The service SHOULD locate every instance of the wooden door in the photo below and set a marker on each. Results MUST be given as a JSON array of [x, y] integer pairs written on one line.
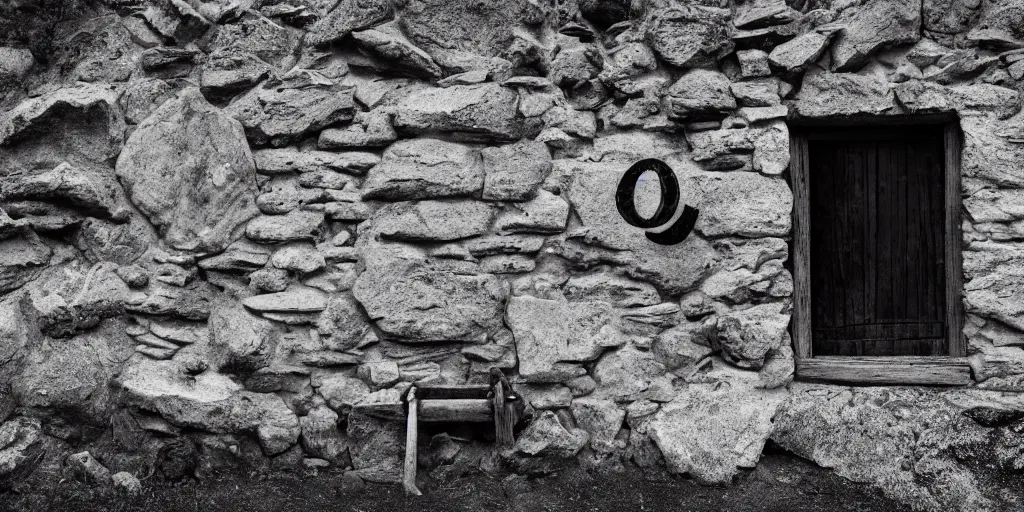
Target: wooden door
[[877, 222]]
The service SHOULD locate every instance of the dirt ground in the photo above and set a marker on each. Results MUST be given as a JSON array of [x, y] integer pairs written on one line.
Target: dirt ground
[[781, 482]]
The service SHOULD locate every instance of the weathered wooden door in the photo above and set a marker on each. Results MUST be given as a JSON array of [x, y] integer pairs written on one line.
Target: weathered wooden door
[[877, 219]]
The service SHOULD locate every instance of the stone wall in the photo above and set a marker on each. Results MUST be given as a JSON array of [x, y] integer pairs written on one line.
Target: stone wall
[[223, 225]]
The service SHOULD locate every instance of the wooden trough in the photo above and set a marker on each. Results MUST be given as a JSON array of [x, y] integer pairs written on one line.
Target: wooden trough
[[473, 403]]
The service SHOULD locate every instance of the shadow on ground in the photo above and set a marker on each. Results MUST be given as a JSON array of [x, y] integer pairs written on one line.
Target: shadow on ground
[[781, 482]]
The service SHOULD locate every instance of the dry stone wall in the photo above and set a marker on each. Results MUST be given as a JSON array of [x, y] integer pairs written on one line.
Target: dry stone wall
[[223, 225]]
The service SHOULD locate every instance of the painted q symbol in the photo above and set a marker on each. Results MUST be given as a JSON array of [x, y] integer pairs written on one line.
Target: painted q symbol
[[666, 206]]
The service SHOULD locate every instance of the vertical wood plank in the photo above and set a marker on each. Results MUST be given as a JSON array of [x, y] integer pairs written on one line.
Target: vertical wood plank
[[801, 247], [411, 439], [503, 421], [954, 267]]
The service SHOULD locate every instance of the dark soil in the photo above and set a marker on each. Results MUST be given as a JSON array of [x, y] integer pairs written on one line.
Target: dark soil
[[781, 482]]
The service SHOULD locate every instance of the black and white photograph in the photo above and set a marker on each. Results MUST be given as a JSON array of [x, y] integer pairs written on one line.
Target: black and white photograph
[[512, 255]]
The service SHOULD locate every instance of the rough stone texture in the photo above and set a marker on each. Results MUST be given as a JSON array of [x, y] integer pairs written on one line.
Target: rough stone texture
[[189, 169], [514, 171], [475, 112], [691, 36], [225, 225], [709, 431], [873, 25], [425, 168], [412, 302]]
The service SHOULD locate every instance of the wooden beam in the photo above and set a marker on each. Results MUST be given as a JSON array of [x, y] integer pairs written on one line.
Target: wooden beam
[[503, 418], [953, 241], [411, 439], [453, 391], [907, 370], [798, 171], [474, 410]]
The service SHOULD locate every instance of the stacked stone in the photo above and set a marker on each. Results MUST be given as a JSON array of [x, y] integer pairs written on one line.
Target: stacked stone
[[240, 218]]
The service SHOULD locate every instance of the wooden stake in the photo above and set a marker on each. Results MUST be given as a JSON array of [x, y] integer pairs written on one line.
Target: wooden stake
[[503, 420], [411, 437]]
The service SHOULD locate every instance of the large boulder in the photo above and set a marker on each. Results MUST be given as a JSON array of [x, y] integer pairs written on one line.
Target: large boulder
[[745, 337], [994, 272], [873, 25], [94, 193], [514, 171], [244, 342], [700, 94], [19, 439], [826, 94], [553, 338], [347, 16], [81, 125], [485, 112], [691, 35], [711, 429], [487, 28], [189, 169], [209, 401], [425, 169], [743, 204], [281, 111], [413, 302], [920, 445]]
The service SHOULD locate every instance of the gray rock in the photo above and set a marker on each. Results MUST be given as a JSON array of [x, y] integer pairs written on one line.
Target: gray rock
[[545, 213], [547, 436], [34, 117], [209, 401], [700, 94], [21, 259], [241, 256], [949, 16], [126, 483], [293, 226], [388, 42], [743, 204], [321, 436], [93, 193], [619, 291], [875, 435], [283, 110], [342, 323], [347, 16], [484, 112], [141, 97], [425, 168], [507, 264], [269, 280], [554, 337], [764, 13], [188, 168], [681, 346], [504, 244], [462, 25], [373, 130], [191, 302], [243, 341], [602, 419], [341, 392], [296, 299], [432, 220], [870, 26], [86, 465], [258, 36], [514, 171], [227, 73], [841, 94], [21, 436], [746, 337], [287, 160], [691, 36], [988, 156], [798, 53], [299, 257], [624, 374], [757, 93], [412, 302], [710, 430], [380, 374], [16, 64], [100, 295], [753, 63], [771, 148]]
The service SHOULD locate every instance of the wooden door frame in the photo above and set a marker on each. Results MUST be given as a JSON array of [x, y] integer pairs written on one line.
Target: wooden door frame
[[938, 370]]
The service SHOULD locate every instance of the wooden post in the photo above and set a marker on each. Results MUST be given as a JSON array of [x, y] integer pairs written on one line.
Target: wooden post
[[411, 437], [503, 419]]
